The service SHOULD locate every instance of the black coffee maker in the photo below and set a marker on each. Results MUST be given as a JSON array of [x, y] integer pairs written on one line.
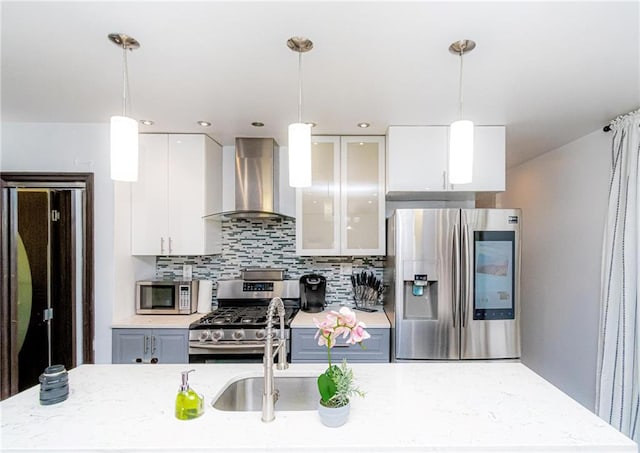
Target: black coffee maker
[[312, 292]]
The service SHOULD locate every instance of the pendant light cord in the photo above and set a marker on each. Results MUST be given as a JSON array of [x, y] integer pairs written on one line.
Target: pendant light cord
[[460, 107], [299, 87], [125, 81]]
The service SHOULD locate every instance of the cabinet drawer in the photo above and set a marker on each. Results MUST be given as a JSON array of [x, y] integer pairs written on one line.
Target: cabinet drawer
[[305, 349]]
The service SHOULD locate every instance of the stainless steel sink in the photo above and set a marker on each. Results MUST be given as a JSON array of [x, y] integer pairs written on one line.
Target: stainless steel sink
[[294, 394]]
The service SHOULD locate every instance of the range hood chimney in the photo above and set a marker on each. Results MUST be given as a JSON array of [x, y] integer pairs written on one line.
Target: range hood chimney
[[257, 164]]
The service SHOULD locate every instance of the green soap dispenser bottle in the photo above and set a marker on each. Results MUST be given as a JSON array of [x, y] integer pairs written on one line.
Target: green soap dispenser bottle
[[189, 404]]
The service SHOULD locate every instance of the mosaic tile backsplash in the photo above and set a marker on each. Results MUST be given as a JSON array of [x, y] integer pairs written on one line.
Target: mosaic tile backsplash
[[268, 243]]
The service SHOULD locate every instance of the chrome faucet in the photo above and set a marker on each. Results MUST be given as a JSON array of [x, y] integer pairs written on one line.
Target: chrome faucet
[[269, 395]]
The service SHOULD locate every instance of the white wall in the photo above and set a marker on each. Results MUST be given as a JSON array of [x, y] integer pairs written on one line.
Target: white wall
[[64, 147], [563, 195]]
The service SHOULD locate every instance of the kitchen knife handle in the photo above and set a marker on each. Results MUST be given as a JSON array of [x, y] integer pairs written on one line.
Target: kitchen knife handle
[[463, 278], [455, 268]]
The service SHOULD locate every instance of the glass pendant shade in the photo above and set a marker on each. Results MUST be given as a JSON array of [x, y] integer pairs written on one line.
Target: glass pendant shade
[[461, 152], [124, 149], [299, 155]]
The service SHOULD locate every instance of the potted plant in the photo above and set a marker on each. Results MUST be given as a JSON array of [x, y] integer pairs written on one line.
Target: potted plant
[[336, 385]]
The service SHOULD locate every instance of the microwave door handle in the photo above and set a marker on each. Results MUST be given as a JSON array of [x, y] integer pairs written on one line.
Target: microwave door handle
[[464, 278], [455, 270]]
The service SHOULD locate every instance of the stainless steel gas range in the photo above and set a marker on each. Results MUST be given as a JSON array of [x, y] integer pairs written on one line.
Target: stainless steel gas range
[[235, 332]]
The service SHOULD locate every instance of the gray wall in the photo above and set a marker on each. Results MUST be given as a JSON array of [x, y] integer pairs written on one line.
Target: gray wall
[[563, 195]]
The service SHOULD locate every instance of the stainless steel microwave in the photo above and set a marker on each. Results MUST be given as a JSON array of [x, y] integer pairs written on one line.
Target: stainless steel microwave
[[166, 297]]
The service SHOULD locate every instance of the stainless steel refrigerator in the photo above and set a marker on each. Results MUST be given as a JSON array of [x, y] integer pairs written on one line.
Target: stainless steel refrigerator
[[454, 283]]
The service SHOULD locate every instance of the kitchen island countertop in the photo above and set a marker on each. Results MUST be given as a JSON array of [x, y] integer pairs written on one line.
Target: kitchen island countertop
[[445, 407]]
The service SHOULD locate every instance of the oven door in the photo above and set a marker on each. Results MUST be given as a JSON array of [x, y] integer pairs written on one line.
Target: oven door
[[229, 352]]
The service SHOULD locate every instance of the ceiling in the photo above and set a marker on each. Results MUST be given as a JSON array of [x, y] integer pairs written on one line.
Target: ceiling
[[550, 71]]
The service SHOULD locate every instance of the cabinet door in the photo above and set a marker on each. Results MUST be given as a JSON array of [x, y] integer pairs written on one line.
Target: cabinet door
[[318, 206], [488, 161], [362, 196], [170, 346], [149, 198], [305, 349], [186, 194], [130, 345], [417, 158]]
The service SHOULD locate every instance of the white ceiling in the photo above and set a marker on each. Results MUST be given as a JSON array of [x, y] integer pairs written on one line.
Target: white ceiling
[[550, 71]]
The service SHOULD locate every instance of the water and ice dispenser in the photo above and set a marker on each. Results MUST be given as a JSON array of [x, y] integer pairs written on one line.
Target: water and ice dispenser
[[420, 290]]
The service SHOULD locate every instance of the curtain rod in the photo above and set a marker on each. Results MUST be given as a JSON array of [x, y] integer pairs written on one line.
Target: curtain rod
[[607, 128]]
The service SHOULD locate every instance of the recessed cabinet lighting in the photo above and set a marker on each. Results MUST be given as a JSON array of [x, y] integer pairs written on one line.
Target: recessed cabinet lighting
[[364, 125], [146, 122], [204, 123], [312, 124], [257, 124]]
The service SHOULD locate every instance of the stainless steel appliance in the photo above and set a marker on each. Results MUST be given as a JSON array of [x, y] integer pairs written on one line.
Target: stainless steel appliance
[[454, 277], [166, 297], [313, 289], [257, 180], [235, 332]]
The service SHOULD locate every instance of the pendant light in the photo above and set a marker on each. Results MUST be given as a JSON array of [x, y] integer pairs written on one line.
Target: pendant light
[[124, 130], [299, 133], [461, 131]]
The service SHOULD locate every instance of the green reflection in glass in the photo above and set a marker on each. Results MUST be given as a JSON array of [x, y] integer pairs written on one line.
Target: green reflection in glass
[[25, 293]]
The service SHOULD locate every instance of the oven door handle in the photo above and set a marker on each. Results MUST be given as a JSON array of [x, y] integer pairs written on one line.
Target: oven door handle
[[218, 346]]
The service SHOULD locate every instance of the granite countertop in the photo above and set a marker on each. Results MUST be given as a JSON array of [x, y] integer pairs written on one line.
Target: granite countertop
[[445, 407], [156, 321], [374, 320]]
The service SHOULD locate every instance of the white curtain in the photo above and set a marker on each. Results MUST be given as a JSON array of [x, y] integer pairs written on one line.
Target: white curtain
[[618, 384]]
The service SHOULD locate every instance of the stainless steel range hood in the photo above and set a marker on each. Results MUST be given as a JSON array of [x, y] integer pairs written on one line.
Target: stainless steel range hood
[[257, 164]]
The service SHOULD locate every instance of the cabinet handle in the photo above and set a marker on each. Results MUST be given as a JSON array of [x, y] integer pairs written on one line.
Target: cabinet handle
[[153, 345], [444, 180], [146, 344], [341, 345], [170, 245], [161, 246]]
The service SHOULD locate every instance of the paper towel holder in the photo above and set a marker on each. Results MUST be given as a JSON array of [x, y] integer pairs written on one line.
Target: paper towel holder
[[205, 292]]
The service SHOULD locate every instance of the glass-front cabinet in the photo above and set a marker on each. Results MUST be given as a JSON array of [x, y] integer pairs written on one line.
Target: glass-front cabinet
[[342, 213]]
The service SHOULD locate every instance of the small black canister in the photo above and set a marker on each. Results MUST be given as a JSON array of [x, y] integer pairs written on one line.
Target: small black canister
[[54, 385]]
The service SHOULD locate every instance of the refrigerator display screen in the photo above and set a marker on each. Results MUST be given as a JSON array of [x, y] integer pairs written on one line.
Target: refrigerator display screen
[[494, 278]]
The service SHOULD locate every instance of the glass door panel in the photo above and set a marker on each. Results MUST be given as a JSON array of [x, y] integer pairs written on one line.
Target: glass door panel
[[362, 195], [317, 206]]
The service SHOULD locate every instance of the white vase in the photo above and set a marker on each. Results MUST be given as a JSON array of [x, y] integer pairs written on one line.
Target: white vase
[[333, 416]]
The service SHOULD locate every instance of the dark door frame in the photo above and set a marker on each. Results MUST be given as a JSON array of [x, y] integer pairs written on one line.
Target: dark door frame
[[88, 300]]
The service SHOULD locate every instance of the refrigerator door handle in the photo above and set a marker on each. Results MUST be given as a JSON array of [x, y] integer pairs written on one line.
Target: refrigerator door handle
[[455, 272], [464, 284]]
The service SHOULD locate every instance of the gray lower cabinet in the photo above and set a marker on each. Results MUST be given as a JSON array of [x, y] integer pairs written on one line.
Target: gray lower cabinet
[[150, 346], [305, 349]]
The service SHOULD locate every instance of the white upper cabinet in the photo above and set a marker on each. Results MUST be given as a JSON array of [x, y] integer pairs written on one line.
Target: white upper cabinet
[[342, 213], [417, 160], [179, 182]]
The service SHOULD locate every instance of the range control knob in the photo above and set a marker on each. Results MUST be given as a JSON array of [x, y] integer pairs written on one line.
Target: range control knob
[[217, 335], [205, 335], [238, 334], [260, 334]]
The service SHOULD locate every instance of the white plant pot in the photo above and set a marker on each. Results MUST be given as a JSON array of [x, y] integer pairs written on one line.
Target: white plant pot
[[333, 416]]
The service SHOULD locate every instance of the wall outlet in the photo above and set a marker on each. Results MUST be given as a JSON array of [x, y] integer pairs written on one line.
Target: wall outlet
[[346, 268]]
